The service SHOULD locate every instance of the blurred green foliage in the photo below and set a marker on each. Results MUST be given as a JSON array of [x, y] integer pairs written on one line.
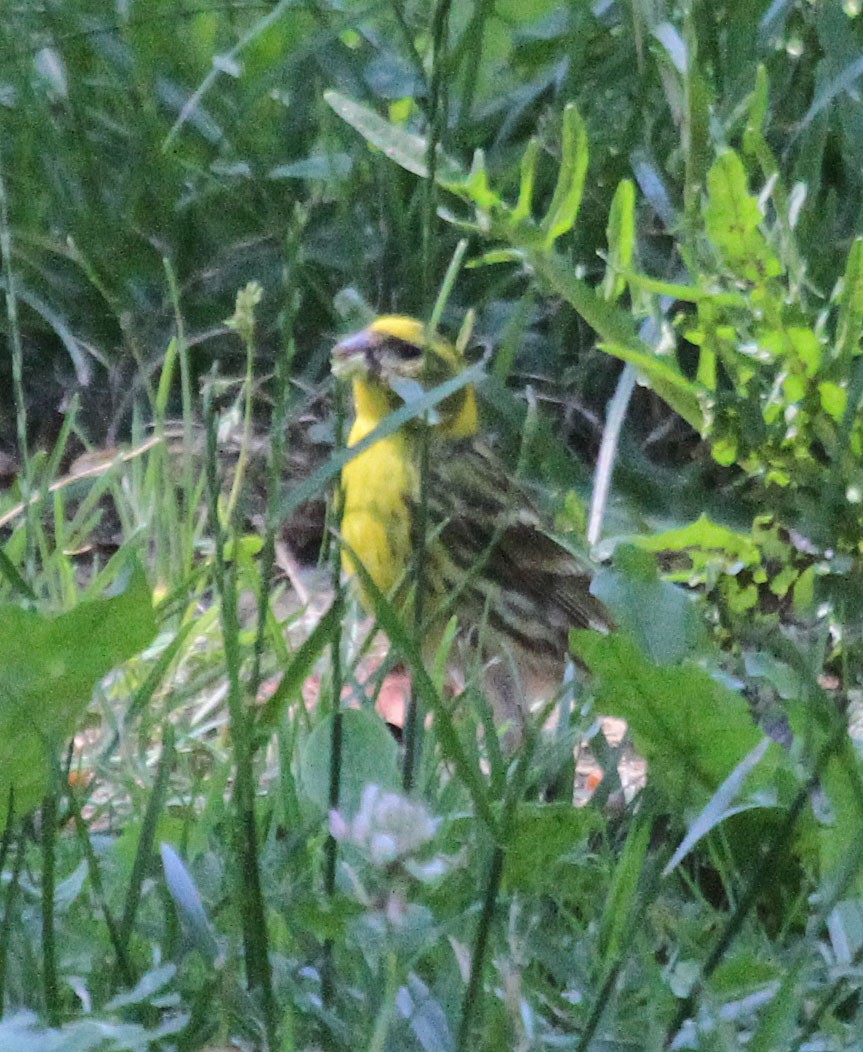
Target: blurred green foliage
[[147, 130]]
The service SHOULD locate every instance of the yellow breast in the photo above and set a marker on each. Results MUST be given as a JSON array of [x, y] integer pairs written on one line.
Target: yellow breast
[[378, 488]]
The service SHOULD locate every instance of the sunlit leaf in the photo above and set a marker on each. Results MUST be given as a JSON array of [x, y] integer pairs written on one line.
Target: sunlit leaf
[[733, 221], [566, 201]]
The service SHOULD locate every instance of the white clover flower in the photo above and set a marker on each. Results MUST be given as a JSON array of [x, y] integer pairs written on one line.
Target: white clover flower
[[390, 828]]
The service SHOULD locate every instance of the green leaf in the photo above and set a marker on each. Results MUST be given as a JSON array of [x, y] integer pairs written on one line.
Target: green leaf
[[406, 149], [841, 781], [621, 239], [566, 200], [317, 168], [834, 400], [46, 685], [795, 342], [844, 80], [850, 321], [680, 393], [658, 615], [778, 1023], [543, 840], [733, 219], [758, 102], [189, 903], [719, 807], [691, 728], [477, 187], [524, 204], [703, 535], [623, 893], [369, 756], [300, 667]]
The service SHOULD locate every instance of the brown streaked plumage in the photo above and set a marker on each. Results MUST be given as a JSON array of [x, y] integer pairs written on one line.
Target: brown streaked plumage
[[489, 558]]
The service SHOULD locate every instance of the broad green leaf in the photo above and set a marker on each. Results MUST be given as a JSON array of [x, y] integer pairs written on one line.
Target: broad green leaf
[[691, 728], [743, 971], [658, 615], [566, 200], [369, 756], [839, 837], [834, 399], [49, 667], [542, 841], [733, 219]]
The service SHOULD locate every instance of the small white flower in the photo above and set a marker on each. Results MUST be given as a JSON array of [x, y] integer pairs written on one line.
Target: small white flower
[[387, 827]]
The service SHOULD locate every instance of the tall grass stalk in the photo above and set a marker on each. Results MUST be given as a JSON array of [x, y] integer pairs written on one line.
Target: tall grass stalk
[[336, 735], [437, 119], [278, 448], [472, 1001], [250, 900], [10, 905], [146, 840], [10, 282], [48, 839], [190, 504], [94, 874]]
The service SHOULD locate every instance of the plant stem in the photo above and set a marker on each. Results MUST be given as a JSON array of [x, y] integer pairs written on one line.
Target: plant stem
[[51, 989], [471, 1003], [248, 884]]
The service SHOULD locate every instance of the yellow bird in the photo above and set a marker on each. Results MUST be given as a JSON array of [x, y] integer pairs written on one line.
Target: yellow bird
[[489, 559]]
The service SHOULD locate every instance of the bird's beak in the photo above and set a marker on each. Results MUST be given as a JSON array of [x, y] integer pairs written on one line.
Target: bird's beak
[[350, 355]]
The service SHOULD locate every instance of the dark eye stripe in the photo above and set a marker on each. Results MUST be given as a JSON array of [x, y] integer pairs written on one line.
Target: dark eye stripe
[[402, 348]]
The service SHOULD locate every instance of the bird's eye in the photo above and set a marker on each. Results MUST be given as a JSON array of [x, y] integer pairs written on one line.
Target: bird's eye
[[402, 349]]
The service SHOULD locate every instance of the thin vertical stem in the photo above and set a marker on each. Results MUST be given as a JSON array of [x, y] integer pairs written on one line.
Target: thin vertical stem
[[94, 874], [9, 904], [17, 361], [248, 883], [471, 1002], [144, 852], [278, 445], [608, 450], [50, 984], [437, 123], [332, 848]]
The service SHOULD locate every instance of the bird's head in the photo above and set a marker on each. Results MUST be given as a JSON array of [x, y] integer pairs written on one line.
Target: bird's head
[[396, 354]]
